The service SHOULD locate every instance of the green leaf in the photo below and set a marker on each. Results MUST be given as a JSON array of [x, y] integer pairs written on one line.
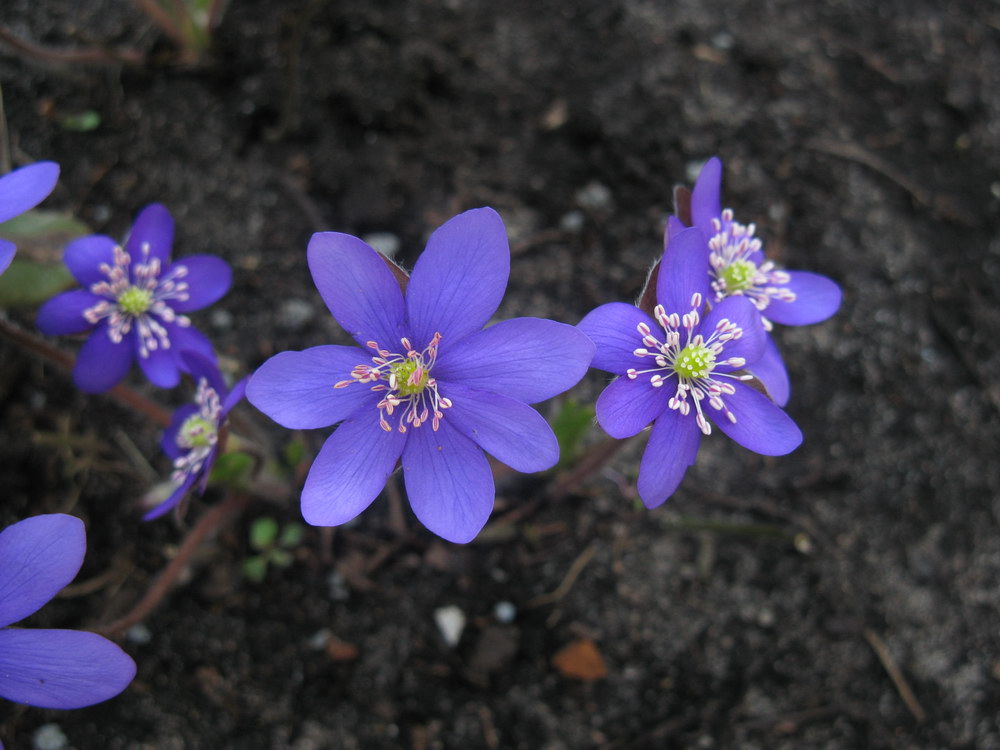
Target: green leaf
[[32, 225], [81, 122], [28, 284], [281, 558], [295, 451], [291, 535], [255, 568], [263, 532], [570, 425], [232, 468]]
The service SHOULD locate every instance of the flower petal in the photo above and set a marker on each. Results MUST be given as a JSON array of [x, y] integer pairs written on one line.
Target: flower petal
[[760, 426], [612, 328], [449, 482], [674, 227], [672, 448], [61, 668], [178, 494], [7, 251], [750, 345], [816, 299], [102, 363], [84, 257], [208, 279], [706, 198], [527, 359], [169, 440], [459, 280], [189, 339], [627, 406], [159, 365], [63, 314], [25, 188], [770, 370], [235, 396], [509, 430], [153, 227], [38, 557], [684, 272], [351, 469], [296, 389], [358, 288], [201, 367]]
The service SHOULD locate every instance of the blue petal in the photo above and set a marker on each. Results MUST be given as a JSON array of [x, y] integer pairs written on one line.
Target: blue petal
[[816, 299], [7, 251], [208, 279], [612, 328], [684, 272], [179, 492], [63, 314], [770, 370], [706, 198], [627, 406], [459, 280], [672, 448], [159, 365], [102, 363], [760, 426], [750, 345], [169, 440], [153, 229], [25, 188], [84, 257]]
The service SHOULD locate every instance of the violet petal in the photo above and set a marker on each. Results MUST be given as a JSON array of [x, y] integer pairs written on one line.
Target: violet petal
[[684, 272], [816, 299], [750, 345], [612, 327], [706, 198], [770, 370], [153, 227], [84, 257], [672, 448], [24, 188], [760, 426], [627, 406], [208, 279], [102, 363], [63, 314]]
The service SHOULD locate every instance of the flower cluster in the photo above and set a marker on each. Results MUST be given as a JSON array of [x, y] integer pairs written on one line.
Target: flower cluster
[[20, 191]]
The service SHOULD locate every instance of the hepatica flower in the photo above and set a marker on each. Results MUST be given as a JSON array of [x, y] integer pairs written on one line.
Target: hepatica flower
[[428, 386], [51, 668], [192, 438], [683, 371], [134, 301], [20, 191], [738, 267]]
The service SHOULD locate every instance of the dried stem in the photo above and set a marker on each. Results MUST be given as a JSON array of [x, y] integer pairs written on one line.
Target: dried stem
[[591, 462], [96, 55]]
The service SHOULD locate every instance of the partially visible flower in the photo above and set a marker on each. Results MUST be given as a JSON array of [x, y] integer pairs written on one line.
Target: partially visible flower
[[20, 191], [133, 301], [681, 370], [429, 387], [192, 438], [738, 267], [51, 668]]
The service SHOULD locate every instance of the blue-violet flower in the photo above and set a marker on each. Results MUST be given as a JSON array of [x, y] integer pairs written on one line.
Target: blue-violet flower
[[681, 369], [51, 668], [133, 301], [429, 386], [20, 191]]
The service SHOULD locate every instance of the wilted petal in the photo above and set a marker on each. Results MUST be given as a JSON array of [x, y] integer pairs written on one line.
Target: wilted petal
[[25, 188], [296, 389], [61, 668], [38, 557], [358, 288], [63, 314], [706, 198], [153, 228], [208, 279], [760, 426], [528, 359], [511, 431], [770, 370], [627, 406], [684, 272], [816, 299], [750, 345], [84, 257], [459, 279], [448, 481], [101, 363], [672, 448], [351, 469], [613, 329]]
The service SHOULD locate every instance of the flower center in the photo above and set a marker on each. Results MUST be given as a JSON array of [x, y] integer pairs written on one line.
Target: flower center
[[738, 275], [689, 357], [135, 301], [199, 433], [196, 432], [406, 381]]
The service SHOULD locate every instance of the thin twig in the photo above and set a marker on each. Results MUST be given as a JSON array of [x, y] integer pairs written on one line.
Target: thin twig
[[896, 674], [568, 580], [94, 55], [5, 162], [162, 19]]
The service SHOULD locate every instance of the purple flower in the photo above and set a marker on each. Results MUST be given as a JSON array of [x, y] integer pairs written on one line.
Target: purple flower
[[429, 386], [51, 668], [737, 266], [20, 191], [682, 369], [133, 301], [192, 439]]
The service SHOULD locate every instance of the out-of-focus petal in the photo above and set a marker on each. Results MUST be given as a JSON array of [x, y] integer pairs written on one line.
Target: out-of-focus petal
[[760, 426], [63, 314], [84, 257], [351, 469], [61, 668], [169, 440], [459, 279], [101, 363], [448, 481], [816, 299], [612, 327], [25, 188], [296, 389], [684, 272], [750, 345], [38, 557], [509, 430], [175, 497], [153, 227], [7, 251], [528, 359], [627, 406], [706, 198], [358, 288], [236, 395], [201, 367], [208, 279], [672, 448], [189, 339], [159, 365], [770, 370]]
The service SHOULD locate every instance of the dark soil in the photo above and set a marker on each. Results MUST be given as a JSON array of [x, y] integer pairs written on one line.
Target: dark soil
[[748, 612]]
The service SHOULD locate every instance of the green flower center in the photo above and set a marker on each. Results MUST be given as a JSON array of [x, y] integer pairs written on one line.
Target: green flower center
[[738, 275], [407, 383], [694, 361], [196, 432], [135, 301]]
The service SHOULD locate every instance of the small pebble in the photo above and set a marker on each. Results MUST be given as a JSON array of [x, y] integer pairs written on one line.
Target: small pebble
[[385, 242], [451, 622], [318, 640], [221, 319], [295, 313], [139, 634], [505, 612], [594, 196], [572, 221], [49, 737]]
